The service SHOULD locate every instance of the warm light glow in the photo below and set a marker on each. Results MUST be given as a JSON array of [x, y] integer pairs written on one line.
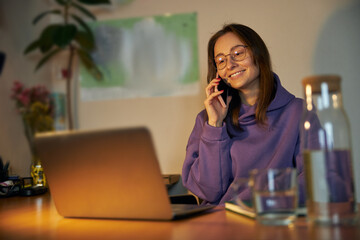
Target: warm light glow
[[308, 93], [335, 101], [307, 125]]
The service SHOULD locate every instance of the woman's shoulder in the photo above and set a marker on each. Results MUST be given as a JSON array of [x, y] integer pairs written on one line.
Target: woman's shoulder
[[295, 106], [201, 119], [202, 116], [297, 102]]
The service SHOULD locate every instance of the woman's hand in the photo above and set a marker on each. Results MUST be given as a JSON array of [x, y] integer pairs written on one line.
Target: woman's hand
[[215, 106]]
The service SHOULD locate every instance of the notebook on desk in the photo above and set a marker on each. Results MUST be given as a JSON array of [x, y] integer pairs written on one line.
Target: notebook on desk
[[107, 174]]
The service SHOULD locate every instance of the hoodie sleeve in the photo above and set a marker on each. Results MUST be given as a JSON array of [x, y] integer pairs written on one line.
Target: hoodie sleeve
[[207, 167]]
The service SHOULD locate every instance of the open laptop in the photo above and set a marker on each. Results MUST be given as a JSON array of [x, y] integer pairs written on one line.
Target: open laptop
[[110, 173]]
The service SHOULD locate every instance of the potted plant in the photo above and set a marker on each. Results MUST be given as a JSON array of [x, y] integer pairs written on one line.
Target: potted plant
[[36, 109], [72, 34]]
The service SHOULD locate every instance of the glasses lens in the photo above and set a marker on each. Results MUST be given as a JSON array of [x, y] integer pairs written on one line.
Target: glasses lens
[[238, 53], [220, 61]]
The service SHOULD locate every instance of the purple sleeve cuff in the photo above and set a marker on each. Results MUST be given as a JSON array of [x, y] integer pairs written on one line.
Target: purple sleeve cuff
[[211, 133]]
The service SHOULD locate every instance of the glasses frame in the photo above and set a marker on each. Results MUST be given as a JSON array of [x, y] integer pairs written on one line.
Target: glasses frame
[[231, 55]]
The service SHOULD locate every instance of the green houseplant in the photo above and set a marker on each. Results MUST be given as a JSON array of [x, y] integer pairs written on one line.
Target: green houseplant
[[72, 34], [35, 107]]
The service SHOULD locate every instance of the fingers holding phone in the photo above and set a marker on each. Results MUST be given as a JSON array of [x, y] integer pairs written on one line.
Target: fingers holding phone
[[215, 103], [212, 87], [213, 91]]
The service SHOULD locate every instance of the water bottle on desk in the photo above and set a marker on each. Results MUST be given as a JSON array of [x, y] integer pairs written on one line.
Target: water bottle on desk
[[326, 148]]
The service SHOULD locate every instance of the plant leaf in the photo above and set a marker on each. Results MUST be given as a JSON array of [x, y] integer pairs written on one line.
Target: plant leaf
[[32, 46], [83, 10], [64, 35], [40, 16], [96, 73], [85, 58], [82, 38], [47, 57], [47, 37], [94, 2], [89, 64], [61, 2], [84, 25]]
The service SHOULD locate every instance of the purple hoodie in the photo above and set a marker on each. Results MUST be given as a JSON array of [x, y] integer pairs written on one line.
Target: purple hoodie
[[215, 156]]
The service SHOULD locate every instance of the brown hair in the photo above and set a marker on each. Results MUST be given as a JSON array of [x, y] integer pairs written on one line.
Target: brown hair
[[261, 58]]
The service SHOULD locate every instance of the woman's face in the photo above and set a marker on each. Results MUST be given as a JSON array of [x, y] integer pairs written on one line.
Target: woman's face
[[242, 75]]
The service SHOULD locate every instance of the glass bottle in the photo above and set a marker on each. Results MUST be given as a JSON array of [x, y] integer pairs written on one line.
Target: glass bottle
[[326, 148]]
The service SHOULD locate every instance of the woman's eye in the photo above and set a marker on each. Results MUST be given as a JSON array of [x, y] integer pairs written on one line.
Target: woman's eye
[[220, 60], [237, 53]]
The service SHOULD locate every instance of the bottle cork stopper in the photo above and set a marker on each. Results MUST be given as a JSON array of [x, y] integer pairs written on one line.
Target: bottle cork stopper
[[333, 82]]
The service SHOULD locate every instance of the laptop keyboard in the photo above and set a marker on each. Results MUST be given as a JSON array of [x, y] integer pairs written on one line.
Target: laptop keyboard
[[183, 210], [182, 207]]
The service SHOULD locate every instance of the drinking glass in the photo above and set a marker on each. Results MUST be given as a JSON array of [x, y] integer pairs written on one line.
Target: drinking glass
[[274, 195]]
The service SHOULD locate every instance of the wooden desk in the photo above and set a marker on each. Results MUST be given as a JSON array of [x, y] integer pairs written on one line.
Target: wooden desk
[[36, 218]]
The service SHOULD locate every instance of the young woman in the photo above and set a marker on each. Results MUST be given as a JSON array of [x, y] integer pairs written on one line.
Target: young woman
[[255, 126]]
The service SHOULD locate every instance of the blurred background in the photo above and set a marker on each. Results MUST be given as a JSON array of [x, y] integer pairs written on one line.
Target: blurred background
[[304, 38]]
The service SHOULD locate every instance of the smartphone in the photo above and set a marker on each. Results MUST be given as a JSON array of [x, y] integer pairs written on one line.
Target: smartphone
[[223, 86]]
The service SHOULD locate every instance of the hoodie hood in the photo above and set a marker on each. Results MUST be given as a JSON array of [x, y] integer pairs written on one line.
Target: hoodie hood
[[282, 96], [281, 99]]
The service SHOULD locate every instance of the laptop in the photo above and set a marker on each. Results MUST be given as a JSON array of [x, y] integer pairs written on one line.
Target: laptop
[[112, 173]]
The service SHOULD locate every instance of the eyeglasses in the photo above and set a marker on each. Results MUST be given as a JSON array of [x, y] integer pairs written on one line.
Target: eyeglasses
[[237, 54]]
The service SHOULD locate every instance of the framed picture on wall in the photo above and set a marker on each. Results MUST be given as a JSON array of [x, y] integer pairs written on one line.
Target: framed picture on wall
[[144, 57]]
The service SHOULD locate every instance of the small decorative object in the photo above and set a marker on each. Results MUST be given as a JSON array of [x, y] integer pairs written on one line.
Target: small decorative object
[[35, 107], [7, 187], [4, 170]]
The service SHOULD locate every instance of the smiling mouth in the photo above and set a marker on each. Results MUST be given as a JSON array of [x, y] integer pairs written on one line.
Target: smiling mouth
[[237, 73]]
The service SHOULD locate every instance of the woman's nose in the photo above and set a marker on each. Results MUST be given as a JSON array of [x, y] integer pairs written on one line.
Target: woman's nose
[[231, 63]]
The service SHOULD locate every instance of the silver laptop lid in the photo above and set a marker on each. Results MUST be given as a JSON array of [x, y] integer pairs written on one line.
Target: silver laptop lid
[[104, 174]]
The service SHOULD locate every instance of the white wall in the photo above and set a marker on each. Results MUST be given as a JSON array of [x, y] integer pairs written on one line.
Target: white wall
[[304, 37]]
